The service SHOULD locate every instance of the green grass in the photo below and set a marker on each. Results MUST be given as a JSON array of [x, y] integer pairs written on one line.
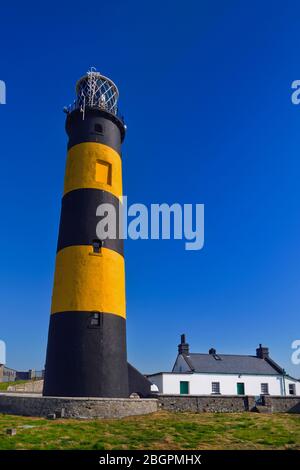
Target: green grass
[[160, 430], [5, 385]]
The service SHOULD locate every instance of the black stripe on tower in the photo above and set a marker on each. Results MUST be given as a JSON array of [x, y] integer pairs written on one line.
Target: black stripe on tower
[[78, 219], [75, 345], [97, 126]]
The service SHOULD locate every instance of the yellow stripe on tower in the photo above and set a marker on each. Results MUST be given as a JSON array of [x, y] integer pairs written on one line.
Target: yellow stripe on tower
[[87, 281], [95, 166]]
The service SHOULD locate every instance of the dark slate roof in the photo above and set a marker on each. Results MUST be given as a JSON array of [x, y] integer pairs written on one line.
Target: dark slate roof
[[229, 363]]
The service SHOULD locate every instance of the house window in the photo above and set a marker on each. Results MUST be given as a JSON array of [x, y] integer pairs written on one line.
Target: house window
[[215, 387], [95, 319], [184, 388], [292, 389], [98, 128], [97, 244], [264, 389]]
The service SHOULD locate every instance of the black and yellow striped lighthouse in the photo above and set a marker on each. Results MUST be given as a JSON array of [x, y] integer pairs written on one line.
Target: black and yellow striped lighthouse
[[86, 353]]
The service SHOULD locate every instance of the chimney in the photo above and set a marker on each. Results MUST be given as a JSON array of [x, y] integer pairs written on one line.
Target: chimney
[[262, 352], [183, 347], [212, 351]]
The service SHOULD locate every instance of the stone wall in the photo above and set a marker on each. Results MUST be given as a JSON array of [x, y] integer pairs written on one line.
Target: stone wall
[[34, 386], [227, 403], [290, 404], [206, 403], [30, 405], [75, 407]]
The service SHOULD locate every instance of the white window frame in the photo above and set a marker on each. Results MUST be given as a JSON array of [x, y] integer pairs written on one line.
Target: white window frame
[[293, 387], [266, 386], [216, 385]]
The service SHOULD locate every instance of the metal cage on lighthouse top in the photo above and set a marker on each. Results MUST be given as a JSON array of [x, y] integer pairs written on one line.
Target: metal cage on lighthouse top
[[94, 90]]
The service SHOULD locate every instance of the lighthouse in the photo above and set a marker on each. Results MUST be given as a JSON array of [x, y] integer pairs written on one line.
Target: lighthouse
[[86, 352]]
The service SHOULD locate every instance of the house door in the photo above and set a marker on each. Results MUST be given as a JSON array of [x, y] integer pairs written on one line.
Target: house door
[[240, 388], [184, 388]]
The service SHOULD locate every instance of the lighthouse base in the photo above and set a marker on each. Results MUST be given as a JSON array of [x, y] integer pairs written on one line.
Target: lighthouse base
[[138, 384], [70, 407]]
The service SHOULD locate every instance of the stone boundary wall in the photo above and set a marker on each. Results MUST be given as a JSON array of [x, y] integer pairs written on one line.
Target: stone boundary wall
[[75, 407], [36, 405], [226, 403], [278, 404], [34, 386], [206, 403]]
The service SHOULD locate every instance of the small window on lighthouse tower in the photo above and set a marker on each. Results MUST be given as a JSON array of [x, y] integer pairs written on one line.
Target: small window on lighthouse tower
[[103, 172], [95, 319], [98, 128], [97, 245]]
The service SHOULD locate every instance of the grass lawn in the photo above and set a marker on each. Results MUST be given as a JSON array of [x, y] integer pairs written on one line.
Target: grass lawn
[[162, 430]]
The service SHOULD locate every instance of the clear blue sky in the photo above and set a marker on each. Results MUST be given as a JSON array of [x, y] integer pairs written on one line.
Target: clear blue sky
[[205, 90]]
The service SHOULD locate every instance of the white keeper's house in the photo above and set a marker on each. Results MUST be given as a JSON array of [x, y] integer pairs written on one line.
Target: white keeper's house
[[224, 374]]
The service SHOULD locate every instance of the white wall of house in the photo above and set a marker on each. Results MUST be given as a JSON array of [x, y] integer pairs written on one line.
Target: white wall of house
[[201, 384]]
